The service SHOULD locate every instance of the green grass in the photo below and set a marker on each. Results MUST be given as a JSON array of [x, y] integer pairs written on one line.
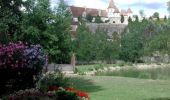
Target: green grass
[[121, 88]]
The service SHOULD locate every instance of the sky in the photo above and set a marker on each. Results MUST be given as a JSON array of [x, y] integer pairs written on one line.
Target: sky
[[148, 6]]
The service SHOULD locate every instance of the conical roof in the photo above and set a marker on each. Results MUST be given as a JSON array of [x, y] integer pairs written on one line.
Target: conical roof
[[112, 4], [116, 10], [129, 10]]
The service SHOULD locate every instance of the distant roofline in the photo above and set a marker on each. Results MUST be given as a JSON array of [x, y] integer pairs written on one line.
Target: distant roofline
[[87, 7]]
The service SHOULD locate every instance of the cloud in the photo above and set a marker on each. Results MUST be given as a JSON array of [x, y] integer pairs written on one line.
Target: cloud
[[149, 6], [154, 5]]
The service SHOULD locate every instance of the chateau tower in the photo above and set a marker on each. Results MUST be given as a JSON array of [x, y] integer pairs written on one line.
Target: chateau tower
[[112, 9]]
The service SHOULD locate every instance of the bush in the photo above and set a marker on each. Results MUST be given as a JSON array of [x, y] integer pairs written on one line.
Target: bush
[[52, 79], [55, 94], [145, 75], [66, 95], [21, 66]]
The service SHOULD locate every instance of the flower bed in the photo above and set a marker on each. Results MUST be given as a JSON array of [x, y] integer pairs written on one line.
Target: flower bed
[[54, 93], [80, 94]]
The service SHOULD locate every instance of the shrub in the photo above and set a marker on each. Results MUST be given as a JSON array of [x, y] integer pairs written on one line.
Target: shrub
[[57, 93], [21, 65], [52, 79]]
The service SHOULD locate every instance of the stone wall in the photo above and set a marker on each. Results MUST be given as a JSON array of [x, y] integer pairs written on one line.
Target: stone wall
[[110, 28], [157, 59]]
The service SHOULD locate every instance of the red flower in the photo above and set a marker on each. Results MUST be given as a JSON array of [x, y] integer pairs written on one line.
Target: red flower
[[53, 88], [82, 94], [70, 89]]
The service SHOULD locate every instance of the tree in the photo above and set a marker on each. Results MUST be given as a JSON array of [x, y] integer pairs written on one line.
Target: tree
[[98, 19], [10, 18], [122, 19], [129, 19], [89, 18], [87, 43], [165, 18], [136, 18], [49, 28], [156, 15]]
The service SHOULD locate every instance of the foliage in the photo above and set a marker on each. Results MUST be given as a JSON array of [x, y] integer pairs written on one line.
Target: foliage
[[165, 18], [10, 19], [59, 94], [122, 19], [98, 19], [69, 93], [52, 79], [155, 15], [143, 39], [136, 18], [89, 18], [129, 20], [11, 16], [21, 65], [41, 22], [87, 43]]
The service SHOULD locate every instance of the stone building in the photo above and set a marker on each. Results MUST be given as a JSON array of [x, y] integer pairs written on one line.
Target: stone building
[[110, 16]]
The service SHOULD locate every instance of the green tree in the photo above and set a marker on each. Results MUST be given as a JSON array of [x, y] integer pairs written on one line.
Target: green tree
[[49, 28], [95, 46], [10, 18], [136, 18], [156, 15], [129, 19], [89, 18], [122, 19], [98, 19], [165, 18]]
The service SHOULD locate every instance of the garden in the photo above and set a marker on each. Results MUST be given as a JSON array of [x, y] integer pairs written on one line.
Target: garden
[[34, 34]]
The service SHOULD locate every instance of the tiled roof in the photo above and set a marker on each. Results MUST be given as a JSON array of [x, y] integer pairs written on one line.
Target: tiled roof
[[77, 11], [92, 12], [112, 4], [129, 10], [123, 12], [116, 10]]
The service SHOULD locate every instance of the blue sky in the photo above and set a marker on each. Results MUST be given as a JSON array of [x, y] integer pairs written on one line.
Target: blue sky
[[149, 6]]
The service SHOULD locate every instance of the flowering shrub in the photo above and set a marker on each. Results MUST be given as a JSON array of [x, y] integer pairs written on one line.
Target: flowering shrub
[[80, 94], [35, 94], [53, 79], [20, 65]]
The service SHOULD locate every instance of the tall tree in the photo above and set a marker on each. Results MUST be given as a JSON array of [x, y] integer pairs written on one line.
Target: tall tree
[[156, 15], [98, 19], [129, 19], [122, 19], [89, 18], [165, 18], [136, 18], [49, 28], [10, 18]]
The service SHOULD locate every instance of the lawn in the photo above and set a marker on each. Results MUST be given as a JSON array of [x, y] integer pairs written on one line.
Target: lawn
[[121, 88]]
